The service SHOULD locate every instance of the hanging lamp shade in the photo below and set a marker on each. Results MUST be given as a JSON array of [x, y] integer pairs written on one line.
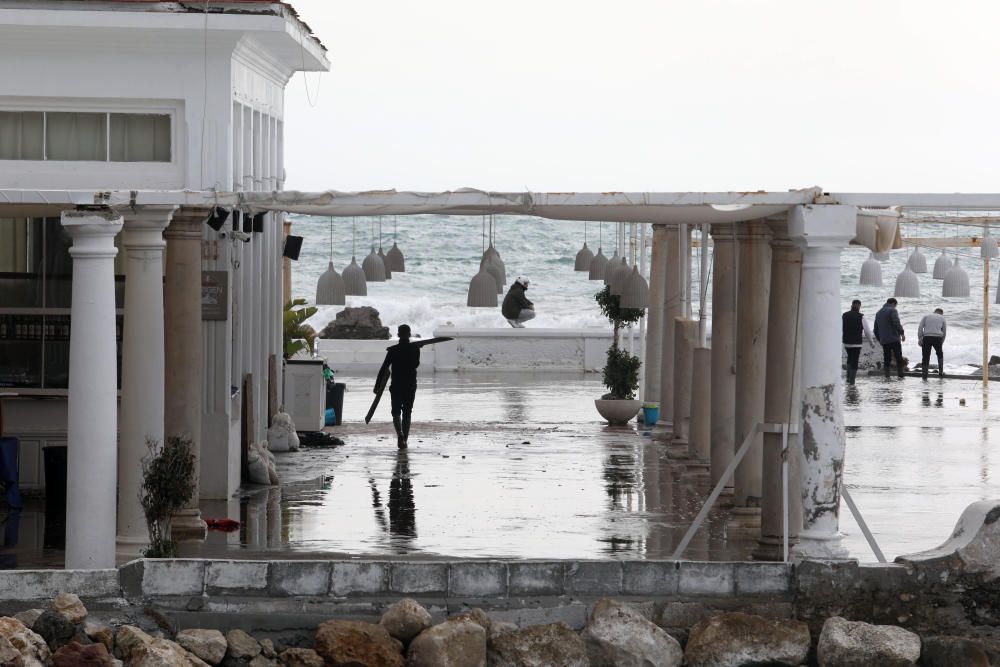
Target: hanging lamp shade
[[482, 290], [956, 281], [583, 259], [355, 282], [988, 247], [635, 293], [494, 256], [611, 267], [871, 271], [373, 268], [907, 284], [330, 288], [489, 252], [394, 260], [941, 266], [597, 266], [385, 267], [917, 261], [494, 267], [881, 256], [620, 277]]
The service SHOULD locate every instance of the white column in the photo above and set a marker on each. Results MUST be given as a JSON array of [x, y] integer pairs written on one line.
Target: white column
[[671, 310], [723, 383], [821, 231], [142, 361], [183, 350], [654, 326], [93, 392]]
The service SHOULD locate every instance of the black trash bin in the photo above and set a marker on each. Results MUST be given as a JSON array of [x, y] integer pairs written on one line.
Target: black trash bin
[[55, 496], [335, 400]]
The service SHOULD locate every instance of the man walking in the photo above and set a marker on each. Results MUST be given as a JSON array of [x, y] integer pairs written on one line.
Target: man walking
[[930, 334], [401, 361], [855, 325], [516, 307], [890, 334]]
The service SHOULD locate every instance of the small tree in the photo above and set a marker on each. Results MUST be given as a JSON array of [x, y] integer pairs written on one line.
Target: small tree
[[621, 372], [297, 335], [167, 486]]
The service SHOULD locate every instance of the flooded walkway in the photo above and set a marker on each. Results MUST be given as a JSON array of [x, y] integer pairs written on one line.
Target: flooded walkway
[[520, 466]]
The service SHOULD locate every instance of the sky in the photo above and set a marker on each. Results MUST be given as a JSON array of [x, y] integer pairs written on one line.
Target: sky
[[645, 95]]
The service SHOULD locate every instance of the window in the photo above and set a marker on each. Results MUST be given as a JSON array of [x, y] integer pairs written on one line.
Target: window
[[74, 136]]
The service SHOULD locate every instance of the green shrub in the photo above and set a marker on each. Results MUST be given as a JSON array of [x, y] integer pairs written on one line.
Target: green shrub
[[298, 336], [167, 486], [621, 372]]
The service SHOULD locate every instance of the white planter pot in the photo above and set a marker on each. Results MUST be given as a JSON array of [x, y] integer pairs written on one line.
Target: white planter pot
[[617, 412]]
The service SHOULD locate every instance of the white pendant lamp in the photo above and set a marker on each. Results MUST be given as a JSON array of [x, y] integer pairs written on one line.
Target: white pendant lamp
[[871, 271], [907, 284], [619, 277], [917, 261], [988, 247], [372, 265], [612, 266], [881, 256], [584, 257], [381, 255], [635, 293], [330, 288], [956, 281], [355, 283], [394, 260], [600, 261], [494, 267], [483, 286], [941, 266]]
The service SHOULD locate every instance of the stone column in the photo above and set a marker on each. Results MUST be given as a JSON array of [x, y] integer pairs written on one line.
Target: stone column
[[685, 340], [753, 288], [699, 437], [723, 409], [183, 350], [671, 310], [142, 401], [821, 231], [782, 322], [92, 427], [654, 321]]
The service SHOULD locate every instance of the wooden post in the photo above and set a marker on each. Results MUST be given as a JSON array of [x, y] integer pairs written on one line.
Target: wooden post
[[247, 426]]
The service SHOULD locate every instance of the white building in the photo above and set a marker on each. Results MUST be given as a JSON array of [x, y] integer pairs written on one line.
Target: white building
[[139, 96]]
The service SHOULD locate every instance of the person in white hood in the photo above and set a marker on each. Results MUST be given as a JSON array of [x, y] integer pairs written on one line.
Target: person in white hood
[[930, 334]]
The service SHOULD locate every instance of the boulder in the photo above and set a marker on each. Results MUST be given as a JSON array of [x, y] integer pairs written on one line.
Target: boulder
[[454, 643], [735, 638], [54, 628], [137, 649], [98, 632], [28, 616], [552, 645], [498, 628], [357, 644], [29, 644], [972, 549], [952, 652], [281, 435], [476, 615], [128, 640], [844, 643], [267, 649], [405, 619], [69, 605], [618, 636], [75, 654], [360, 323], [9, 655], [241, 646], [300, 657], [262, 661], [209, 645]]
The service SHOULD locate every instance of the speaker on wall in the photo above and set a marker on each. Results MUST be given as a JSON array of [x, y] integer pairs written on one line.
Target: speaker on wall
[[293, 245]]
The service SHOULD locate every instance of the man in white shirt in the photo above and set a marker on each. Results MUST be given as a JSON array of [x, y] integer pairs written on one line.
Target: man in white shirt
[[930, 334]]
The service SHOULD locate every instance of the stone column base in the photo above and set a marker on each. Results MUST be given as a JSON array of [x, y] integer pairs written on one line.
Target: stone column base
[[814, 545], [743, 522], [772, 548], [188, 526]]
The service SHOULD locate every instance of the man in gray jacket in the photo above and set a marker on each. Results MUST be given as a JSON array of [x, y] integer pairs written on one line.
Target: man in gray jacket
[[930, 334], [889, 333]]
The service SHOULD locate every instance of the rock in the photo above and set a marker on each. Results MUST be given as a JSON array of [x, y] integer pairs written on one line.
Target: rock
[[994, 360], [75, 654], [405, 619], [69, 605], [98, 632], [552, 645], [498, 628], [300, 657], [971, 549], [195, 661], [209, 645], [357, 644], [952, 652], [361, 323], [281, 436], [28, 616], [619, 636], [736, 638], [262, 661], [844, 643], [241, 645], [137, 649], [454, 643], [29, 643], [476, 615], [54, 628], [9, 655], [267, 649]]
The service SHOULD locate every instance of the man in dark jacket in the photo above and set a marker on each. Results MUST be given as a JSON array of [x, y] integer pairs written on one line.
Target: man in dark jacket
[[855, 326], [889, 333], [402, 361], [516, 307]]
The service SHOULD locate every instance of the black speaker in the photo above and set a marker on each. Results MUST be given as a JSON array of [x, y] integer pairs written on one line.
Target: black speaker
[[218, 218], [293, 246], [258, 223], [247, 224], [237, 220]]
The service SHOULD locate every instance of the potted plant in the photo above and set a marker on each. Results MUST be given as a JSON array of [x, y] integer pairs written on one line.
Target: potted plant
[[621, 372], [298, 335]]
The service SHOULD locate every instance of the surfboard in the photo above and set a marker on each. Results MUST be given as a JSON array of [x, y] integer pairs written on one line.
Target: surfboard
[[383, 374]]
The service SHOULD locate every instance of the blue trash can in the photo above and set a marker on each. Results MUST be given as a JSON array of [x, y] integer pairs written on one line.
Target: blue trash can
[[650, 413]]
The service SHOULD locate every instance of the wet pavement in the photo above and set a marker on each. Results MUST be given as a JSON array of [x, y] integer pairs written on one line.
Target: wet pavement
[[520, 466]]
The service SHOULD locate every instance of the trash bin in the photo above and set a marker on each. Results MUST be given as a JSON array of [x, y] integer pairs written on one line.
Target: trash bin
[[335, 399], [9, 471], [55, 478], [650, 413]]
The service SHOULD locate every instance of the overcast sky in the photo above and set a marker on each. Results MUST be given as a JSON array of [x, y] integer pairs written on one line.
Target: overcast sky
[[669, 95]]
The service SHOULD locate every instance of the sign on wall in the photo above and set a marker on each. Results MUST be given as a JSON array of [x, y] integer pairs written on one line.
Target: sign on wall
[[214, 295]]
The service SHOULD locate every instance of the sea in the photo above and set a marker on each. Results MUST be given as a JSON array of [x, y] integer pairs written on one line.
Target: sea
[[442, 255]]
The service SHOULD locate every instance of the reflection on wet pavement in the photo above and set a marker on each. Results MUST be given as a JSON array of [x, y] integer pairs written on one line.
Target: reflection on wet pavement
[[519, 466]]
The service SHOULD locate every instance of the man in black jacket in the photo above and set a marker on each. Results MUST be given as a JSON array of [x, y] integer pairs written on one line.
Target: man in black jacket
[[889, 333], [402, 361], [854, 327], [516, 307]]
